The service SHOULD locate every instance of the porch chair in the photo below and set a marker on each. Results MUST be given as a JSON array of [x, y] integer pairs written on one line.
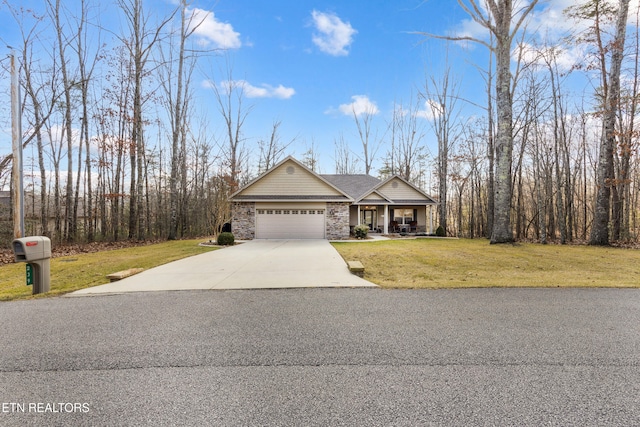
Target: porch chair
[[394, 227], [413, 227]]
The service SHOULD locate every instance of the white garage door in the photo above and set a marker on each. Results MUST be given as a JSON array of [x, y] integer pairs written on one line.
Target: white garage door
[[294, 222]]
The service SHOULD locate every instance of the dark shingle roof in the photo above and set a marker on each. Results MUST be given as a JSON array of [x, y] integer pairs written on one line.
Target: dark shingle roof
[[355, 186]]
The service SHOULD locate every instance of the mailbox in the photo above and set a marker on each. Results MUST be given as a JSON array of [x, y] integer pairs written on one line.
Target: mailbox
[[36, 252], [32, 248]]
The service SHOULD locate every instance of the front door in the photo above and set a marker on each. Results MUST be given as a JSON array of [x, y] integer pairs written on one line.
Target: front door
[[369, 217]]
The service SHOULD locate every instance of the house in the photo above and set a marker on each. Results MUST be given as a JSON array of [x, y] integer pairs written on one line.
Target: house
[[290, 201]]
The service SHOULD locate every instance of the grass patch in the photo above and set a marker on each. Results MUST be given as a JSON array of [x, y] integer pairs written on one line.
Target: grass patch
[[464, 263], [71, 273]]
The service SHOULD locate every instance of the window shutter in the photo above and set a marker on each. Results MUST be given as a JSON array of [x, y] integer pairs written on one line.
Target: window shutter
[[415, 214]]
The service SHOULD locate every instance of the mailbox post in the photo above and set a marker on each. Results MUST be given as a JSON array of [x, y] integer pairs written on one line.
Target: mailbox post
[[36, 252]]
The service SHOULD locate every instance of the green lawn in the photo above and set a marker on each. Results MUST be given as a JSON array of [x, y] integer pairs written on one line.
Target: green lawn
[[81, 271], [419, 263], [450, 263]]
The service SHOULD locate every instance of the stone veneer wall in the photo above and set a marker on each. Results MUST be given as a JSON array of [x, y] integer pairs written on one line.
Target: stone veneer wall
[[243, 220], [338, 221]]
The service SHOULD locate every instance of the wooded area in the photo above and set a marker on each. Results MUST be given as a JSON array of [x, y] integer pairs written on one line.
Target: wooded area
[[539, 165]]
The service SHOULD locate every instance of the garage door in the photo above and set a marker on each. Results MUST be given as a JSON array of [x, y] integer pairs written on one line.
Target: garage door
[[295, 222]]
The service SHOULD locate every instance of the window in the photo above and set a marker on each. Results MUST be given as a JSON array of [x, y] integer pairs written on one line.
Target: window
[[294, 212], [286, 212], [278, 212], [260, 211], [269, 212], [312, 212], [320, 212], [303, 212], [403, 216]]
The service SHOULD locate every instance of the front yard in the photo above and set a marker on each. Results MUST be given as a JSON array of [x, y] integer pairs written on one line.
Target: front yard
[[73, 272], [449, 263]]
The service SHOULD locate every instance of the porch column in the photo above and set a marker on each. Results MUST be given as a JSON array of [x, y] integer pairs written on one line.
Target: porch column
[[386, 219], [358, 221], [430, 219]]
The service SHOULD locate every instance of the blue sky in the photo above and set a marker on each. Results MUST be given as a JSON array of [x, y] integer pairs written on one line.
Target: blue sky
[[324, 56], [309, 63]]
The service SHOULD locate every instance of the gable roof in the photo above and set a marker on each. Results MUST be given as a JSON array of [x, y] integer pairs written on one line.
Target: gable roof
[[402, 191], [290, 180], [374, 197]]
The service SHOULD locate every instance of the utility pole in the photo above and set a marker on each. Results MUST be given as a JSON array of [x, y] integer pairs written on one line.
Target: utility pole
[[17, 190]]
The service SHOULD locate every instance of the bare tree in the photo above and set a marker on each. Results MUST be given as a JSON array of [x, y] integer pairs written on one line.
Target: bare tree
[[345, 162], [491, 155], [311, 157], [41, 96], [606, 179], [68, 82], [176, 87], [562, 166], [230, 96], [628, 142], [441, 99], [271, 151], [369, 137], [409, 136], [498, 20], [503, 23], [139, 43], [86, 67]]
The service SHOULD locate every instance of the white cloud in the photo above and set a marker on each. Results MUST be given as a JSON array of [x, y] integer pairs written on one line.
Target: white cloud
[[361, 105], [251, 91], [58, 136], [470, 28], [283, 92], [211, 31], [431, 111], [552, 21], [562, 57], [333, 36], [267, 91], [548, 22]]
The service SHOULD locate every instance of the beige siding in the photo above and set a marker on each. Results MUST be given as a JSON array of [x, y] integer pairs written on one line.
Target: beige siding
[[289, 179], [396, 189], [374, 195]]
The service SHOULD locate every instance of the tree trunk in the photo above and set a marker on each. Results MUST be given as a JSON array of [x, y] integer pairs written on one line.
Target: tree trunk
[[176, 134], [68, 122], [490, 154], [605, 179], [502, 232]]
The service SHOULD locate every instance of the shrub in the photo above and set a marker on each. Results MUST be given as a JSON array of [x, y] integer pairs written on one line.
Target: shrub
[[361, 231], [440, 232], [225, 239]]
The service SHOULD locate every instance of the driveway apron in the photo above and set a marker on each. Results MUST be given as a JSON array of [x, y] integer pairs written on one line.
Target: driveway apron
[[257, 264]]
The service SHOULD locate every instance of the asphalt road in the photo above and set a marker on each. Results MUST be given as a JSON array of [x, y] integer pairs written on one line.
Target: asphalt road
[[324, 357]]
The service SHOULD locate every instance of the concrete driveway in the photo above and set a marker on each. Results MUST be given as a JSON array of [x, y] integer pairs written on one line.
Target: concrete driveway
[[257, 264]]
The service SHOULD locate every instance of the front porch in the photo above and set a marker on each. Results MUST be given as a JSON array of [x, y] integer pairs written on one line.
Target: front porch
[[388, 219]]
